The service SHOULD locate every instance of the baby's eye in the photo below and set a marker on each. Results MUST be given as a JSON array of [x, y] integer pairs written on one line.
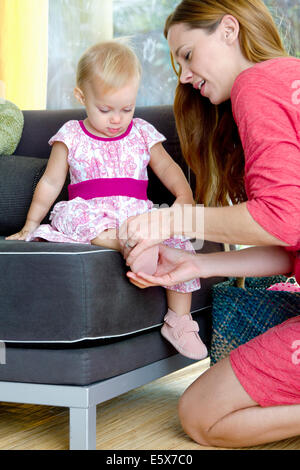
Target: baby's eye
[[103, 110], [127, 110]]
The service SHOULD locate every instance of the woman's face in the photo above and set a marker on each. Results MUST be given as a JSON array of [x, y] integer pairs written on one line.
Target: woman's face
[[209, 62]]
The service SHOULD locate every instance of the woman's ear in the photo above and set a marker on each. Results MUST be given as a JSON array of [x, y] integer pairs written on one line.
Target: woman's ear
[[230, 28], [78, 93]]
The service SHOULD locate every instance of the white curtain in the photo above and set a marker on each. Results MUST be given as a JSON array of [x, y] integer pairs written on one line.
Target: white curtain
[[74, 25]]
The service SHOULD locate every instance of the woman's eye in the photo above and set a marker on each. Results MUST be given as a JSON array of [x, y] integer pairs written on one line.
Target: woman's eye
[[188, 56]]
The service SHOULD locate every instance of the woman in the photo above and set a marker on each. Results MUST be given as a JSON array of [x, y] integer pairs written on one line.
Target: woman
[[237, 116]]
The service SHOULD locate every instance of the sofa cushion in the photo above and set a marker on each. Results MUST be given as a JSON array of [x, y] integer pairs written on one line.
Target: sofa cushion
[[61, 292], [88, 361], [18, 179]]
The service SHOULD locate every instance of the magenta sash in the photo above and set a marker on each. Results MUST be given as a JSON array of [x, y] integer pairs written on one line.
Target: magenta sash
[[103, 187]]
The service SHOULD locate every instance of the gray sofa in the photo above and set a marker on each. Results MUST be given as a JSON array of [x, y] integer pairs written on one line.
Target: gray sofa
[[74, 331]]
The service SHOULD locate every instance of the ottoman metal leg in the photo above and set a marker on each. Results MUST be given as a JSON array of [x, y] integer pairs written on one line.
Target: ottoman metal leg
[[83, 428]]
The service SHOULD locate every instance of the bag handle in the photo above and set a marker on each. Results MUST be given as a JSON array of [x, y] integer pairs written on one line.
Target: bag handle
[[240, 281]]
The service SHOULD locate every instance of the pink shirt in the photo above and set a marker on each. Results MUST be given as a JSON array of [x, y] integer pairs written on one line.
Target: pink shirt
[[266, 107]]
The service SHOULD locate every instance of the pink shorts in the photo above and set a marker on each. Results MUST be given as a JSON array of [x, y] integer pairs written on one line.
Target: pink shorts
[[268, 366]]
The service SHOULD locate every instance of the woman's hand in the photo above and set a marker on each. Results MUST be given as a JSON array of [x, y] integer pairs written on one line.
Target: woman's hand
[[174, 266], [148, 229]]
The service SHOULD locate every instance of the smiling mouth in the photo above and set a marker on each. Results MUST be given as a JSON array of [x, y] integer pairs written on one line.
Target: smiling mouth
[[201, 84]]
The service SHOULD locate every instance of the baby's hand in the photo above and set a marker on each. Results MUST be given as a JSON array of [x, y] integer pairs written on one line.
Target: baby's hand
[[23, 234]]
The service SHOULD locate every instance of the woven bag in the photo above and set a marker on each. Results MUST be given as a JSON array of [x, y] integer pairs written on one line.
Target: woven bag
[[241, 313]]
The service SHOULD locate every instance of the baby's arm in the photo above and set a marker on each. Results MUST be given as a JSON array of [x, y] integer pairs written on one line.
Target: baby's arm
[[46, 191], [171, 175]]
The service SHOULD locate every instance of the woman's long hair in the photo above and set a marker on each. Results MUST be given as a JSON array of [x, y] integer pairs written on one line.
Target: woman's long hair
[[208, 134]]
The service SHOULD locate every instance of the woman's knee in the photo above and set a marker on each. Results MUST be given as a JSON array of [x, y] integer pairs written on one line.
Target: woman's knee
[[215, 394], [191, 419]]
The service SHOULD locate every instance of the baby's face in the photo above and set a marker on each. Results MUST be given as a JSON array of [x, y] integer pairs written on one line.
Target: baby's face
[[110, 114]]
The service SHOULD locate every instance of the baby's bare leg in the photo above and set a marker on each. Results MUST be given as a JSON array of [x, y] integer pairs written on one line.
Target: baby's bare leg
[[146, 262], [108, 239], [179, 302]]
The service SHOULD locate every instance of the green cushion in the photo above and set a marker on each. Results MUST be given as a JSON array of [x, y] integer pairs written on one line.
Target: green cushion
[[11, 127]]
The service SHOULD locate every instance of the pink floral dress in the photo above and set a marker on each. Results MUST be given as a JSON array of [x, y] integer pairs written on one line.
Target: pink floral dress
[[90, 157]]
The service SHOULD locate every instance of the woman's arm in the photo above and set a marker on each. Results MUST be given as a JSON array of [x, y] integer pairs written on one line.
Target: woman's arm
[[253, 261], [235, 225], [178, 266], [46, 191], [230, 224]]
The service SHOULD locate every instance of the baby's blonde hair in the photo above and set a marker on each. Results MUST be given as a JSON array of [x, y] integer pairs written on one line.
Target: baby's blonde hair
[[113, 62]]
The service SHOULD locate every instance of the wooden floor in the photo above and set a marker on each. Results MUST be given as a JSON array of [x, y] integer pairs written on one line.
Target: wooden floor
[[145, 418]]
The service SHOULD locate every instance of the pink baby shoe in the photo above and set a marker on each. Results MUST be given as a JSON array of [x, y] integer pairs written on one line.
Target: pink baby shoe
[[182, 332]]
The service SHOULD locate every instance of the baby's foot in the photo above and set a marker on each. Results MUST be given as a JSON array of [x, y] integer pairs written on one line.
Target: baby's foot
[[182, 332], [147, 261]]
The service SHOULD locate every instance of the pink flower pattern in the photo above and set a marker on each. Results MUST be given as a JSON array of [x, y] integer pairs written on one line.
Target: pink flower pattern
[[80, 220]]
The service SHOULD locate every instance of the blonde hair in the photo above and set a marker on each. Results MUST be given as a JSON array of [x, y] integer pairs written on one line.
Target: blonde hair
[[113, 62], [208, 134]]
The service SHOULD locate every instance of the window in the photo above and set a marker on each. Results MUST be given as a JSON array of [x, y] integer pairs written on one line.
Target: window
[[286, 14], [42, 40], [74, 25]]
